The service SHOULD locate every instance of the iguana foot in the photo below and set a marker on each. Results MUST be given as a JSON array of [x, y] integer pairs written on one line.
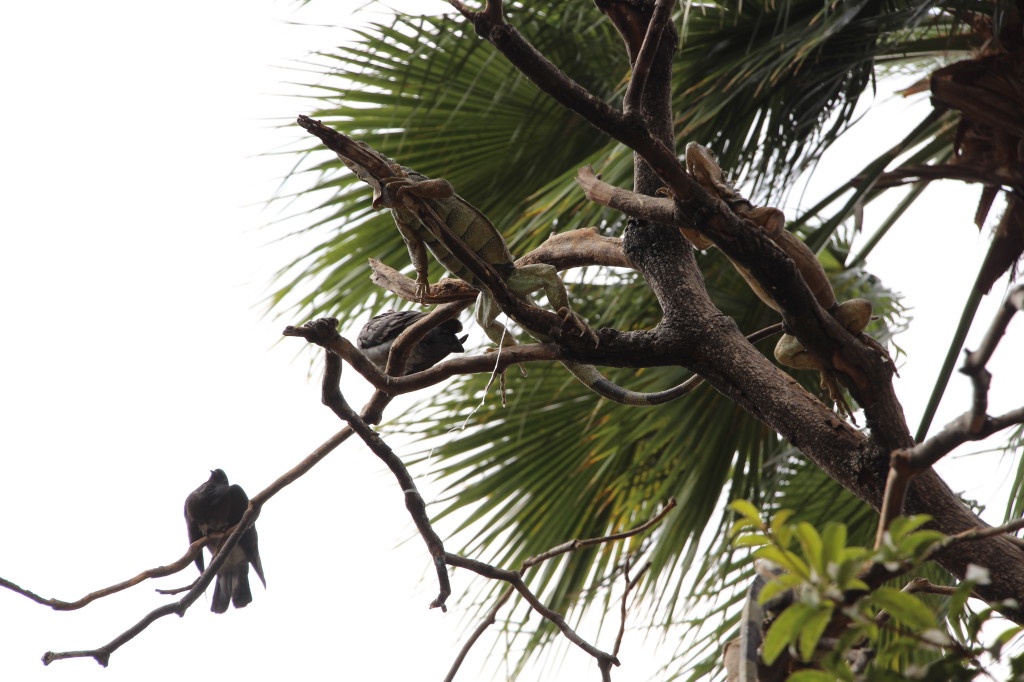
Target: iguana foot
[[522, 370], [422, 291], [835, 393], [436, 188], [570, 316]]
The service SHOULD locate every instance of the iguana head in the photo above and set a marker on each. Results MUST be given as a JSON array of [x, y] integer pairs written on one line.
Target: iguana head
[[366, 176]]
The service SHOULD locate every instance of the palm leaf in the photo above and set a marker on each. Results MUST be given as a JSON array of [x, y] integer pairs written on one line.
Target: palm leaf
[[769, 87]]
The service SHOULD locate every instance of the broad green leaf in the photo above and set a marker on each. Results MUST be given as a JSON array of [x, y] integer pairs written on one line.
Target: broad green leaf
[[905, 608], [903, 525], [916, 545], [811, 544], [787, 560], [833, 539], [812, 630], [811, 676], [771, 590], [785, 630], [751, 541], [746, 510]]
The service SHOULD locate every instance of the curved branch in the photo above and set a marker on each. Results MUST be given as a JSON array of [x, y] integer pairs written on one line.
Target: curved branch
[[159, 572]]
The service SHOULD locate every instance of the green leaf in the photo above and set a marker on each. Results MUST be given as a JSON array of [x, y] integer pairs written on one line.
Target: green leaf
[[780, 519], [746, 510], [751, 541], [916, 545], [811, 676], [905, 608], [771, 590], [901, 526], [787, 560], [784, 630], [811, 544], [739, 526], [833, 540], [812, 630]]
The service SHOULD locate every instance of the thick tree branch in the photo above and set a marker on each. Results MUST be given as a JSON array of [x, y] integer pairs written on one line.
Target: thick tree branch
[[973, 425], [694, 332]]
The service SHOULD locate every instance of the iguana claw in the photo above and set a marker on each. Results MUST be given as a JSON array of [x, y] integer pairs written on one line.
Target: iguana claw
[[570, 316], [422, 290]]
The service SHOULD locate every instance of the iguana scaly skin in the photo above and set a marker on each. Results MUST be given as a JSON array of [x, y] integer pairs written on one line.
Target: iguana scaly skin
[[853, 315], [474, 229]]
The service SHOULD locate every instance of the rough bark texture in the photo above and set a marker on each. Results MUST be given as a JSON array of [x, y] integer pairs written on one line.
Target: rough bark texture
[[695, 335]]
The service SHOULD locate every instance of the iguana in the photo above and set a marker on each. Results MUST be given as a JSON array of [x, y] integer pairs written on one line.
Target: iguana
[[472, 227], [853, 315]]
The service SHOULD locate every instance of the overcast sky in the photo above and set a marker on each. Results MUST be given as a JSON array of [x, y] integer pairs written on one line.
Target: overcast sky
[[138, 354]]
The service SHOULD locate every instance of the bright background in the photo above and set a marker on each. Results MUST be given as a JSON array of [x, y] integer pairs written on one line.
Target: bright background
[[137, 159]]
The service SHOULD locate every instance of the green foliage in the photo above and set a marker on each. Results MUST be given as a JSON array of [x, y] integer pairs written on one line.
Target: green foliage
[[837, 626], [769, 86]]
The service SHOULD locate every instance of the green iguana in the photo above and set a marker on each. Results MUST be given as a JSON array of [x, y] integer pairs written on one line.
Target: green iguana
[[404, 186], [853, 315]]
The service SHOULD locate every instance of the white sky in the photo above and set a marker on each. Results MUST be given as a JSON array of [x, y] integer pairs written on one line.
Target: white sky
[[137, 355]]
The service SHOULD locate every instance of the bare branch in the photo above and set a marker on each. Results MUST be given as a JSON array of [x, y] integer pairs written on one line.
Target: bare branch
[[975, 424], [102, 654], [623, 611], [532, 561], [332, 397], [573, 545], [516, 581], [158, 572], [577, 248], [489, 620]]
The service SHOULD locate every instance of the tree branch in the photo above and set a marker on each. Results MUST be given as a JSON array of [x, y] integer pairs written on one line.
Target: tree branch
[[159, 572], [704, 342], [973, 425], [570, 546], [322, 332]]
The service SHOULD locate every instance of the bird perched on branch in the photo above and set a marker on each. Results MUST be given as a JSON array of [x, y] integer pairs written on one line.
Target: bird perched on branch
[[377, 336], [211, 509]]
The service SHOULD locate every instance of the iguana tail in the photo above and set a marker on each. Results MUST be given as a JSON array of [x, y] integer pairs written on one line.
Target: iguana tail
[[595, 381]]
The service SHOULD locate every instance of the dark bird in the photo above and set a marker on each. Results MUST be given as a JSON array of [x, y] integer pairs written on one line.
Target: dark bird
[[377, 336], [211, 509]]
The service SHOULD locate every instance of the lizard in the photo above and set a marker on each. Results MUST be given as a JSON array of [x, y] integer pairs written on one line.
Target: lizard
[[465, 222], [853, 315]]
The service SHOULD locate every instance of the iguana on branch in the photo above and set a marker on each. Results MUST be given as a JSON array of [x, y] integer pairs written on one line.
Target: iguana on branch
[[853, 315], [415, 201]]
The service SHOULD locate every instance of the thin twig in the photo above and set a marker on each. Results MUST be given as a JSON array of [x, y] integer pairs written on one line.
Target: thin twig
[[573, 545], [489, 620], [102, 654], [319, 332], [623, 610], [558, 550], [159, 572], [973, 425], [516, 581]]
